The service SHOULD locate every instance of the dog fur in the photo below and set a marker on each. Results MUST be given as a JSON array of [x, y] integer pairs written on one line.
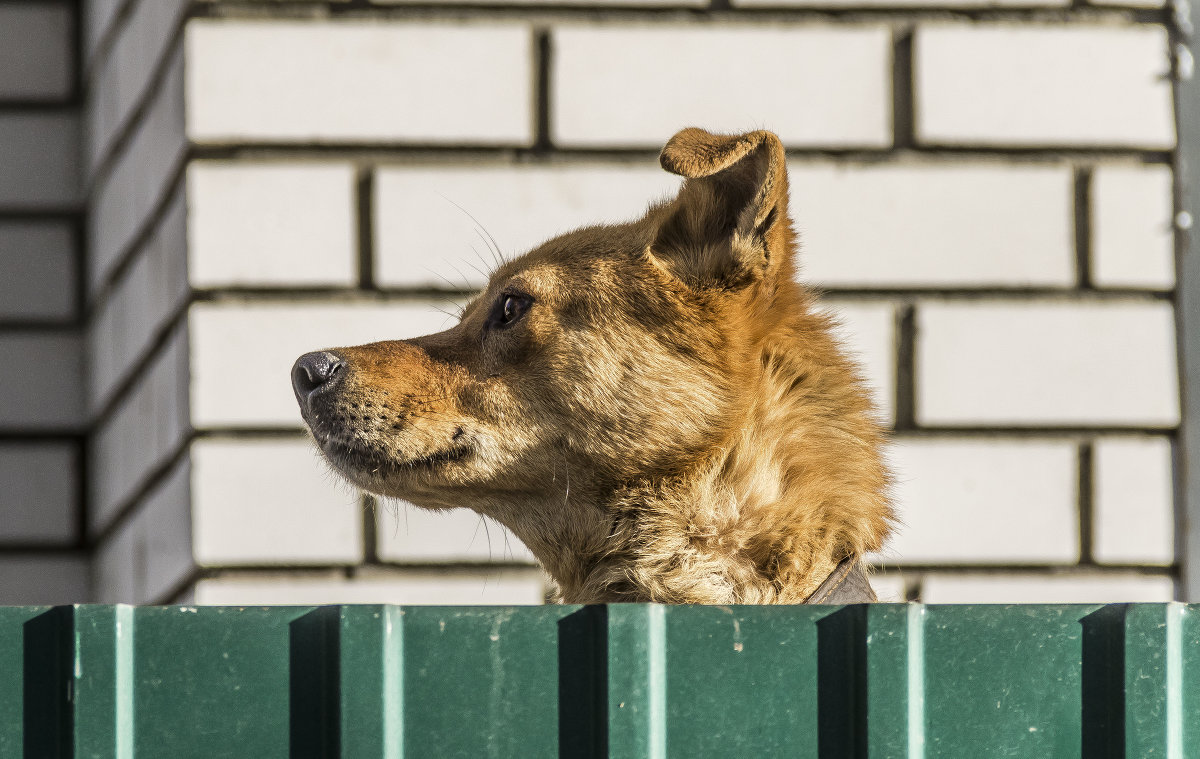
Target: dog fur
[[655, 408]]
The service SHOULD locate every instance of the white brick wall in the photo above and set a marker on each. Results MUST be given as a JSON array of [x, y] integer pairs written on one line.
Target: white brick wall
[[40, 501], [227, 152], [1133, 241], [1134, 514], [860, 226], [581, 3], [432, 222], [867, 331], [1038, 86], [1075, 588], [38, 261], [36, 51], [889, 586], [356, 82], [271, 502], [1046, 364], [934, 225], [630, 86], [985, 501], [903, 4], [264, 224], [492, 587], [410, 535], [1130, 3], [263, 340]]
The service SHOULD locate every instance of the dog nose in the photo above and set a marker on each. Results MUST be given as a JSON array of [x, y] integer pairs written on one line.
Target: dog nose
[[315, 370]]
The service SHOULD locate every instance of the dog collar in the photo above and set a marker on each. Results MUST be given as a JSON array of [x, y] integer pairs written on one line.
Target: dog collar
[[847, 584]]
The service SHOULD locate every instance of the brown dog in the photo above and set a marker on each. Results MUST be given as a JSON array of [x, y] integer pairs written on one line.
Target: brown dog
[[654, 408]]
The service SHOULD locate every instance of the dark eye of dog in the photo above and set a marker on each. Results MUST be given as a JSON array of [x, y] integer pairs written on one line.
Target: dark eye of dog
[[509, 309]]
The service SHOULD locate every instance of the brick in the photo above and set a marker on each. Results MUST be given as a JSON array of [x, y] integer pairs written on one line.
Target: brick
[[150, 555], [1040, 588], [535, 3], [935, 225], [38, 261], [39, 501], [359, 82], [271, 224], [889, 586], [139, 180], [930, 226], [868, 334], [42, 378], [972, 501], [1046, 363], [1080, 85], [124, 75], [1129, 3], [263, 340], [1133, 501], [654, 81], [36, 51], [411, 535], [99, 17], [899, 4], [1133, 240], [39, 160], [145, 430], [271, 501], [490, 587], [37, 579], [139, 308], [425, 235]]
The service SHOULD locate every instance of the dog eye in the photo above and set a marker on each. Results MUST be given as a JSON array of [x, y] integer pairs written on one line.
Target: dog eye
[[509, 309]]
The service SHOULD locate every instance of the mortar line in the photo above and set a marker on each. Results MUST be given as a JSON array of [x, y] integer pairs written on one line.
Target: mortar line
[[364, 203], [905, 342], [1086, 502], [903, 104], [1082, 192], [543, 71]]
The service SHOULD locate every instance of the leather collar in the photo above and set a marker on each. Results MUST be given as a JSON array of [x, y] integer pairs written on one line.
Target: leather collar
[[847, 584]]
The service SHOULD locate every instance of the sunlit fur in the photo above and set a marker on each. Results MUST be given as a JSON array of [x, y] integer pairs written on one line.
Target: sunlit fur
[[670, 421]]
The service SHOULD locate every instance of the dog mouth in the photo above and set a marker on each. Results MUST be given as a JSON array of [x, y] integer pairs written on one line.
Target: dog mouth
[[355, 458]]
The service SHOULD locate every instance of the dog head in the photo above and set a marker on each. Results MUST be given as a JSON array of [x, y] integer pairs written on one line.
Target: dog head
[[610, 357], [611, 351]]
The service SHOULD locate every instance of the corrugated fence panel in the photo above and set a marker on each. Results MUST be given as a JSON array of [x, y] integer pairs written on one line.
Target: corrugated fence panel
[[1014, 675], [481, 682], [617, 681]]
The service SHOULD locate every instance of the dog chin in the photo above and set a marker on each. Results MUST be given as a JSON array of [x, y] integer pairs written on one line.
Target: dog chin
[[372, 470]]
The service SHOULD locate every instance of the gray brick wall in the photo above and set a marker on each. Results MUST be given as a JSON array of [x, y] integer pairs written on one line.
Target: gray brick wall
[[43, 553]]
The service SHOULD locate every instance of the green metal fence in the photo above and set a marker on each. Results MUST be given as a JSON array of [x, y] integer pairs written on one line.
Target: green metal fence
[[617, 681]]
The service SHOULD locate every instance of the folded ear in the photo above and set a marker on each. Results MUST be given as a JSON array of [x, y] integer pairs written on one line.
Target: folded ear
[[729, 225]]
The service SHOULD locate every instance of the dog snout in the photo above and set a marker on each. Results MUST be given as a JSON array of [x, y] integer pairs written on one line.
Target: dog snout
[[319, 370]]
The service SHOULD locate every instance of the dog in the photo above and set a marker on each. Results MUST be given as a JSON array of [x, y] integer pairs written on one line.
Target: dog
[[655, 408]]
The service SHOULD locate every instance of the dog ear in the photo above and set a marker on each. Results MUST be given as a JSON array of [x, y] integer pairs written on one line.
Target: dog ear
[[729, 225]]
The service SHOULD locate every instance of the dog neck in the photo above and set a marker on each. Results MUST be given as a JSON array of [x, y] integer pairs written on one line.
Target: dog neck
[[765, 520]]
